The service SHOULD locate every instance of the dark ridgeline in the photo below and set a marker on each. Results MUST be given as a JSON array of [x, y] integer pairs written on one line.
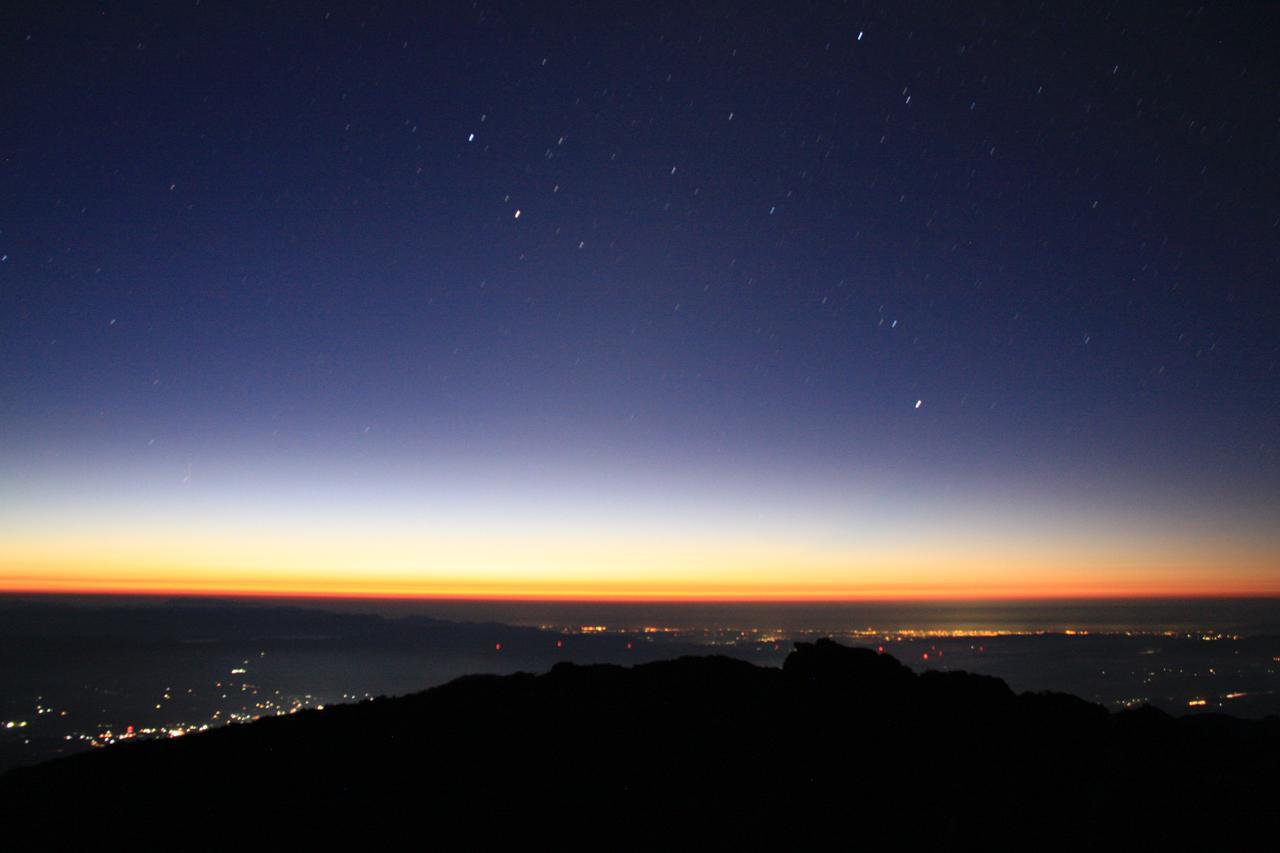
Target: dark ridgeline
[[841, 747]]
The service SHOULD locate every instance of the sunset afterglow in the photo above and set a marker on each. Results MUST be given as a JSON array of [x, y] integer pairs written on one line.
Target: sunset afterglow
[[533, 541]]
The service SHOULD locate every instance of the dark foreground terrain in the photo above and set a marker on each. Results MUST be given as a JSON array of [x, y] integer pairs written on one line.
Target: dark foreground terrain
[[840, 747]]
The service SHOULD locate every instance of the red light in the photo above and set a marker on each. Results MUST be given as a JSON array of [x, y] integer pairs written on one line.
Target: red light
[[628, 645], [128, 730], [559, 644], [925, 655], [497, 647], [879, 650]]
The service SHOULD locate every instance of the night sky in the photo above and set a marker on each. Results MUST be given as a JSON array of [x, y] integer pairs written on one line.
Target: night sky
[[794, 299]]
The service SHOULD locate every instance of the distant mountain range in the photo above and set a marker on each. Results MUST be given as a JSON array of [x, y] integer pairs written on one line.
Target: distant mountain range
[[840, 747]]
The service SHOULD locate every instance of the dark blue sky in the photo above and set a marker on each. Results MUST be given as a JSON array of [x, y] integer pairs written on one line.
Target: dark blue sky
[[685, 237]]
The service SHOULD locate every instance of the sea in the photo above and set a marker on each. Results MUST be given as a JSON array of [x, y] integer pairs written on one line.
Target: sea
[[1237, 616]]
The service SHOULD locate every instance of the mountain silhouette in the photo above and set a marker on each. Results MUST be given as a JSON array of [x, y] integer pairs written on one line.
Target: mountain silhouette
[[840, 747]]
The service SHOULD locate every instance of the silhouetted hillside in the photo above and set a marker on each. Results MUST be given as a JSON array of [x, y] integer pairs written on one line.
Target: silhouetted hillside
[[841, 746]]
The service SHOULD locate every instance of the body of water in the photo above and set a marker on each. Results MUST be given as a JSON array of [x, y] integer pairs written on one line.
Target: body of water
[[1243, 617]]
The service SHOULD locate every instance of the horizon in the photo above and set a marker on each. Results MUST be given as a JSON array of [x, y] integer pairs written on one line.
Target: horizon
[[286, 596]]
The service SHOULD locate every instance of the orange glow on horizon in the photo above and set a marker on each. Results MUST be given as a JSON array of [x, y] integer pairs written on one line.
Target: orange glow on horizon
[[321, 592], [344, 559]]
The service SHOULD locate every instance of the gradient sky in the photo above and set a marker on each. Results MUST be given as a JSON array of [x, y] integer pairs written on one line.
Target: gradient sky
[[794, 300]]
